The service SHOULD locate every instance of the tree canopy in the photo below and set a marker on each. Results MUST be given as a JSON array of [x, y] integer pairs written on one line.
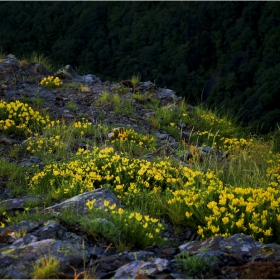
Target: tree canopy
[[226, 53]]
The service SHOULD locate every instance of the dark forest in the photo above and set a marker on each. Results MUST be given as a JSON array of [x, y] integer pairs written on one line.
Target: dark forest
[[226, 54]]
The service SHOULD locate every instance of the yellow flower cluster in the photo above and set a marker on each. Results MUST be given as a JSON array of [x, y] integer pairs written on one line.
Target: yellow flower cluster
[[127, 140], [51, 82], [46, 144], [213, 120], [88, 170], [188, 199], [82, 126], [250, 211], [18, 117], [234, 143], [274, 174]]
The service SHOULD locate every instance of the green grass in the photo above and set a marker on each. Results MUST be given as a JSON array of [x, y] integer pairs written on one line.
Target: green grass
[[72, 106], [46, 268], [42, 59], [194, 266], [135, 79], [11, 172]]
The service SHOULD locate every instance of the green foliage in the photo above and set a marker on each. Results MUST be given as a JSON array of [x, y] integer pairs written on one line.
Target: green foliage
[[113, 101], [25, 215], [42, 59], [122, 226], [11, 171], [72, 106], [195, 265], [235, 190]]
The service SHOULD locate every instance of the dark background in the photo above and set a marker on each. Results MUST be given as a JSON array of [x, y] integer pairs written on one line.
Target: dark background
[[224, 53]]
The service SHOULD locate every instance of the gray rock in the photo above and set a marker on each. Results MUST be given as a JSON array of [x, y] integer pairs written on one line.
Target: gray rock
[[9, 141], [186, 135], [140, 255], [146, 86], [18, 203], [79, 202], [21, 227], [138, 268], [35, 160], [237, 249], [169, 95], [69, 73], [30, 90], [161, 136], [90, 79], [129, 271], [11, 60], [17, 262], [181, 124]]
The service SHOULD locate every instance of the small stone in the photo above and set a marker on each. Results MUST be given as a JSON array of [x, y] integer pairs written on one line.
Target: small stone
[[34, 159], [169, 251], [8, 141]]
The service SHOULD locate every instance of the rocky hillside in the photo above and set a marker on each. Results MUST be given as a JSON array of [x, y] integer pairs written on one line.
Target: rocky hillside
[[120, 180]]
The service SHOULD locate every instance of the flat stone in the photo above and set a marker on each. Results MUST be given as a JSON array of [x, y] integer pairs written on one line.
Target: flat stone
[[17, 262], [79, 202]]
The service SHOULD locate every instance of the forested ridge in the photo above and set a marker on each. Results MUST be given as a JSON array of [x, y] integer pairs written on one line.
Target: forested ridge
[[226, 53]]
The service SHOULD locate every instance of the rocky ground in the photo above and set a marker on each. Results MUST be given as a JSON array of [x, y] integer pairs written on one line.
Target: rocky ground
[[238, 256]]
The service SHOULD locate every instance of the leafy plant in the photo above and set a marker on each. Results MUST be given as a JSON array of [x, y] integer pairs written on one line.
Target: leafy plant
[[195, 265], [11, 171], [122, 226]]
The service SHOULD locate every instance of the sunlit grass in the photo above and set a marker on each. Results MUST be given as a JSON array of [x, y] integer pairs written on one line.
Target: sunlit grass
[[46, 268]]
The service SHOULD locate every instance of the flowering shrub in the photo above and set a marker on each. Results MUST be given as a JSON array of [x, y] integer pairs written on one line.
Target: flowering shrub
[[89, 170], [194, 198], [244, 210], [130, 228], [273, 173], [218, 210], [45, 145], [127, 140], [51, 82], [234, 143], [211, 120], [18, 117], [213, 201]]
